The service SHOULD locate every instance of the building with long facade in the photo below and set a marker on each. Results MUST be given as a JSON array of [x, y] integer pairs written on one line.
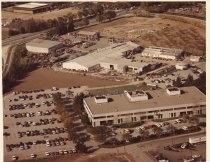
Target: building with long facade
[[136, 106], [162, 53], [109, 58]]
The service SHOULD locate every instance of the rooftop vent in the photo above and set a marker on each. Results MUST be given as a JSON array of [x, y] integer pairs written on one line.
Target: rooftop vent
[[134, 96], [101, 99], [173, 91]]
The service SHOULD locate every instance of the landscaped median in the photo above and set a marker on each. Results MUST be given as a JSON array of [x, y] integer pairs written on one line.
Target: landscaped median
[[120, 89]]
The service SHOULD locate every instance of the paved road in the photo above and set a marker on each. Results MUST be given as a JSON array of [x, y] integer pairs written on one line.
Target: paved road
[[8, 62], [23, 37], [139, 150]]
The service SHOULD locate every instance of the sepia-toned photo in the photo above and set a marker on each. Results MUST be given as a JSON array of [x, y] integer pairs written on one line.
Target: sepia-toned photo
[[104, 81]]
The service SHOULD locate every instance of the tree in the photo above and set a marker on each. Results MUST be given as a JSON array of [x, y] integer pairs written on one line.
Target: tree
[[177, 82], [189, 80], [144, 133], [200, 83], [99, 9], [81, 147], [99, 18], [158, 131], [110, 15], [70, 24], [80, 14]]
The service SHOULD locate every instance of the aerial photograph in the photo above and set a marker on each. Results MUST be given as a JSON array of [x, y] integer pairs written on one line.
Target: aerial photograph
[[104, 81]]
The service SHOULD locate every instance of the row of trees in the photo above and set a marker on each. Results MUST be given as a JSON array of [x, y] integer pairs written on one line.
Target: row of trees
[[62, 25], [20, 65], [200, 83], [66, 118]]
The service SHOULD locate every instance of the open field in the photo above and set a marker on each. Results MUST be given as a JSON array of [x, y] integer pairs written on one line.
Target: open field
[[44, 16], [43, 78], [157, 32]]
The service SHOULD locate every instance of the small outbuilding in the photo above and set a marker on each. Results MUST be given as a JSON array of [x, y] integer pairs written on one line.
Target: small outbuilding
[[195, 58], [181, 66]]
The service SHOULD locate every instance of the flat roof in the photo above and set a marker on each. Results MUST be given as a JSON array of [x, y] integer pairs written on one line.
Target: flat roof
[[31, 5], [159, 98], [87, 32], [112, 51], [123, 61], [163, 50], [43, 43]]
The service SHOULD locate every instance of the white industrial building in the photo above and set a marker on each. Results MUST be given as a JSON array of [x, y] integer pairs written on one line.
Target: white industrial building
[[42, 46], [31, 8], [195, 58], [110, 58], [181, 66], [136, 106], [162, 53]]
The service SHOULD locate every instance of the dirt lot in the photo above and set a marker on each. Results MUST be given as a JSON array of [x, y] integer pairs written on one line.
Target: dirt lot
[[156, 32], [45, 15], [43, 78]]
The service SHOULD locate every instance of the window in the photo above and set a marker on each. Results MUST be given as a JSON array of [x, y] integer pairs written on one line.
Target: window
[[126, 114], [150, 117], [152, 111], [143, 117], [189, 112], [173, 114], [199, 112], [133, 118], [202, 105], [190, 107], [180, 108], [167, 110], [139, 113], [110, 116], [99, 117]]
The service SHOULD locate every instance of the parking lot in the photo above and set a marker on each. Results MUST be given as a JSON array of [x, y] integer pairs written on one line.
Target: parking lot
[[155, 128], [32, 128]]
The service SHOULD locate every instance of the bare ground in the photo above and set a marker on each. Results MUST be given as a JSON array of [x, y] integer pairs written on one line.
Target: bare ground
[[166, 33], [44, 78], [44, 15]]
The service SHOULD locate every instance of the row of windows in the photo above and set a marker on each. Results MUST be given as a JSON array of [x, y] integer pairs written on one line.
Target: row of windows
[[155, 111]]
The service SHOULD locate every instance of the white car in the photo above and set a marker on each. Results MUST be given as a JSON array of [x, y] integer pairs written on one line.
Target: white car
[[184, 128], [74, 150], [14, 158], [184, 145], [33, 155], [47, 153], [65, 152]]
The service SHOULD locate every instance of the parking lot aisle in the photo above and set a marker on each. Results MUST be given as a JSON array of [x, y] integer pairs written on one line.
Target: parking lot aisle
[[31, 121]]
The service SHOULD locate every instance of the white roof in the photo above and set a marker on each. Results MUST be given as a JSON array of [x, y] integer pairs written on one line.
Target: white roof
[[43, 43], [123, 61], [87, 32], [98, 56], [163, 51], [32, 5]]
